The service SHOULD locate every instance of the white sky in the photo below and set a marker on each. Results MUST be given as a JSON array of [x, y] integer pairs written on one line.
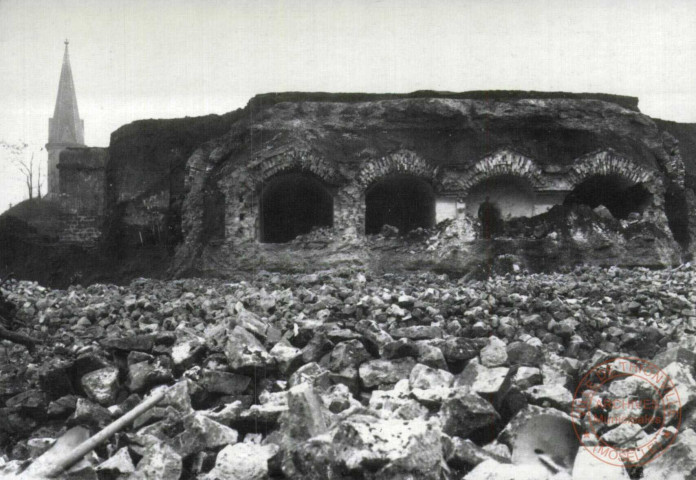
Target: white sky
[[167, 58]]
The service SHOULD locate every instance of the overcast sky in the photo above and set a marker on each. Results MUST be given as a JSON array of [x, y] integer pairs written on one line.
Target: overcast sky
[[167, 58]]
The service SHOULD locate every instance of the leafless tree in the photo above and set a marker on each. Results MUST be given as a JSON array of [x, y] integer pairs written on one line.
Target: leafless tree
[[27, 170], [39, 181], [30, 170]]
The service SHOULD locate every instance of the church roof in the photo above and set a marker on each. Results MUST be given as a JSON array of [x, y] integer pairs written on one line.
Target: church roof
[[66, 127]]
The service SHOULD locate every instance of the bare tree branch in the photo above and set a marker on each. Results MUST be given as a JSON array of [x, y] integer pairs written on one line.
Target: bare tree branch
[[39, 183], [28, 168]]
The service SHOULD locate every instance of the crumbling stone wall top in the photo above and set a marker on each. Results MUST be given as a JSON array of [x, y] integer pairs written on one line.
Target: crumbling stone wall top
[[267, 99], [83, 158]]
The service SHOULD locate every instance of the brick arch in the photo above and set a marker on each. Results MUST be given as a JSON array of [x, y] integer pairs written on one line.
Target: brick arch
[[298, 161], [608, 162], [502, 162], [401, 162]]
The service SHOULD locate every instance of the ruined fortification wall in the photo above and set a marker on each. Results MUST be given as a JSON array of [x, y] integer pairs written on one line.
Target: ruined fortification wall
[[82, 195], [145, 175], [453, 145], [82, 178], [685, 134], [197, 187]]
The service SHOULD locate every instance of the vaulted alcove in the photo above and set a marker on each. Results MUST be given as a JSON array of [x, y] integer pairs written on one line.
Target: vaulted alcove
[[512, 195], [620, 195], [292, 204], [402, 201]]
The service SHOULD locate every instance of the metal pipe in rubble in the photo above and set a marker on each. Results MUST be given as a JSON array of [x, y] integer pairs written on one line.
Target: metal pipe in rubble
[[114, 427]]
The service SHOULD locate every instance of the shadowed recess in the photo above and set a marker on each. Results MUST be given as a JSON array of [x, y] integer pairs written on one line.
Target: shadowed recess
[[513, 195], [621, 196], [293, 204], [677, 211], [402, 201]]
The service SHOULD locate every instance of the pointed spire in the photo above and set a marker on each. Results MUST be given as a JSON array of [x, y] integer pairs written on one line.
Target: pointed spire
[[66, 127]]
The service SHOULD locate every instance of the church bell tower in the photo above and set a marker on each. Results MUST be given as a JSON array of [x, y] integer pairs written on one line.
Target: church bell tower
[[65, 129]]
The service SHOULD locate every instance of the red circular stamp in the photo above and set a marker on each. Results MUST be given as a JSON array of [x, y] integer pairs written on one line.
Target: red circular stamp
[[626, 411]]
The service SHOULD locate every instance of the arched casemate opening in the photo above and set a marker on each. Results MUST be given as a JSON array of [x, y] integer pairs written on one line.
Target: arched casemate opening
[[403, 201], [292, 204], [606, 178], [510, 195], [620, 195]]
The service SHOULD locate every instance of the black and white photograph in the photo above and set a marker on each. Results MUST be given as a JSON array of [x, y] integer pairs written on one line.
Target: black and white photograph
[[347, 239]]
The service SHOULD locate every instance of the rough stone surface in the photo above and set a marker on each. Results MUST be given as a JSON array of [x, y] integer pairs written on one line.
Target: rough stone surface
[[89, 414], [465, 412], [406, 408], [587, 465], [425, 377], [144, 375], [242, 461], [522, 353], [493, 470], [677, 462], [466, 454], [227, 383], [555, 396], [494, 353], [615, 141], [244, 351], [481, 379], [201, 433], [102, 385], [381, 372], [389, 448], [159, 462], [119, 463]]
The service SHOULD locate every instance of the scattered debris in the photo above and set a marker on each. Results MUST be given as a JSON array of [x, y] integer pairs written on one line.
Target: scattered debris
[[337, 373]]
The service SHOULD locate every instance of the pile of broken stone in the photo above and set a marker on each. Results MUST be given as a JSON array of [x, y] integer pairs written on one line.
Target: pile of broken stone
[[343, 374]]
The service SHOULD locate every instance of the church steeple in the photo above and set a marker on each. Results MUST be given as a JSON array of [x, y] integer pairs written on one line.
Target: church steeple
[[66, 127]]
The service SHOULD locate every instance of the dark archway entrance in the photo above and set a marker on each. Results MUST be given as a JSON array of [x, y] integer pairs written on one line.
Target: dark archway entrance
[[619, 195], [402, 201], [293, 204]]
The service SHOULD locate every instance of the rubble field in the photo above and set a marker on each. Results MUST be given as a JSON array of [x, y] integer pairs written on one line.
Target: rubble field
[[344, 375]]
